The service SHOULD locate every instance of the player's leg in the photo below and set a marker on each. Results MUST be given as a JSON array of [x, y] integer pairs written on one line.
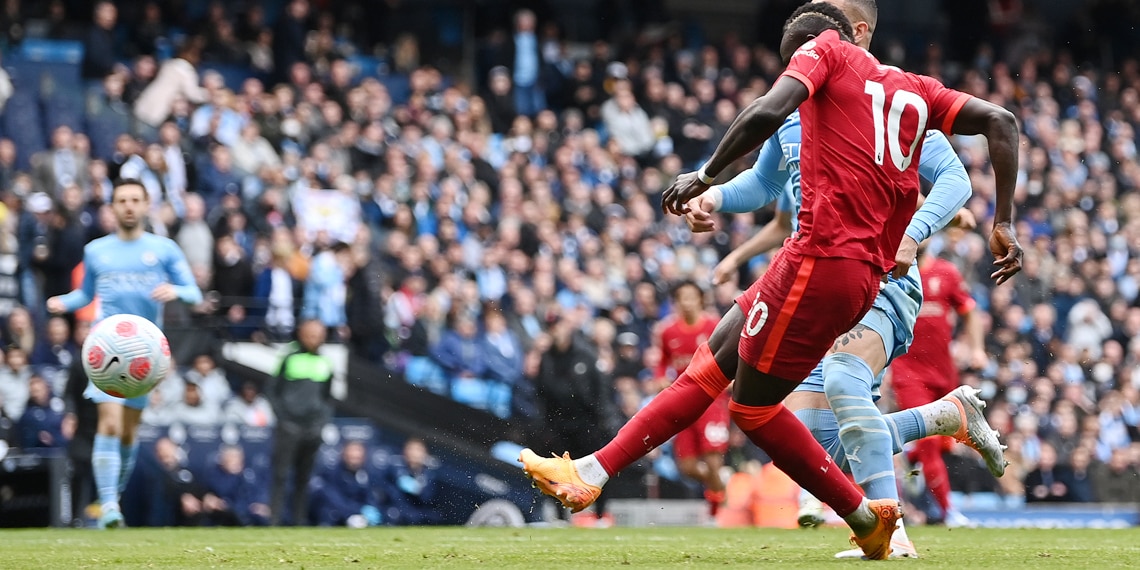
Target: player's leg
[[106, 461], [284, 453], [128, 442], [798, 309], [306, 455], [578, 482]]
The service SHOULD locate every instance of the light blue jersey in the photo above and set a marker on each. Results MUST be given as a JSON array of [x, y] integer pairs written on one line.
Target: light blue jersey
[[122, 275], [776, 176]]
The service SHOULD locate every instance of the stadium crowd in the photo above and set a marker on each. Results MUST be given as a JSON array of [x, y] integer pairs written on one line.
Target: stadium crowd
[[484, 240]]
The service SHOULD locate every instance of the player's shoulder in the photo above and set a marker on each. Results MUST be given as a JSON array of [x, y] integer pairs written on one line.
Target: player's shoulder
[[944, 267], [101, 243]]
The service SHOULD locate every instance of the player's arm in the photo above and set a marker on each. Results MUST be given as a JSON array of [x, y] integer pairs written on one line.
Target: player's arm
[[750, 190], [978, 117], [951, 190], [755, 124], [769, 237], [182, 285], [78, 298]]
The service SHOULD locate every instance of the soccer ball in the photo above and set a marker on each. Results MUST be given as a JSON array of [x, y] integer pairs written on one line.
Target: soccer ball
[[126, 356]]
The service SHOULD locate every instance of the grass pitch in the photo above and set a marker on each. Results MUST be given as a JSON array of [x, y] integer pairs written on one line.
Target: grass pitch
[[548, 548]]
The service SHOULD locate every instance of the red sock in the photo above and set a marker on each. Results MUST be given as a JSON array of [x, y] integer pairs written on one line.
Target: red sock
[[714, 499], [795, 452], [673, 410], [928, 451]]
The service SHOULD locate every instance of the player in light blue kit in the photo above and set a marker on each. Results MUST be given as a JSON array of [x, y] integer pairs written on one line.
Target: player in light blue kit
[[847, 380], [129, 272]]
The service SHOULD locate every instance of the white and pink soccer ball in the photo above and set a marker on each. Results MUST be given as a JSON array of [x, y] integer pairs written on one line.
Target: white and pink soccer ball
[[126, 356]]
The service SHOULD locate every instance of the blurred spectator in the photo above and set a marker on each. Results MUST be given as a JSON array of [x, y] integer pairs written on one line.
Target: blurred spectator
[[460, 353], [578, 399], [302, 403], [62, 248], [14, 376], [193, 409], [252, 152], [324, 298], [194, 235], [177, 79], [62, 165], [41, 425], [99, 53], [1049, 482], [502, 350], [54, 354], [192, 503], [249, 408], [530, 97], [241, 498], [276, 290], [343, 494], [218, 178], [628, 123], [289, 35], [210, 379], [1117, 481], [412, 483]]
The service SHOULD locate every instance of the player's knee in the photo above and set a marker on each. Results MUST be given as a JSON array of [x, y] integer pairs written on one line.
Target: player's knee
[[846, 376]]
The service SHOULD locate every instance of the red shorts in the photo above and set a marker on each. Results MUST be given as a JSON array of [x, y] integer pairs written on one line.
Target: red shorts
[[794, 313], [709, 434], [916, 382]]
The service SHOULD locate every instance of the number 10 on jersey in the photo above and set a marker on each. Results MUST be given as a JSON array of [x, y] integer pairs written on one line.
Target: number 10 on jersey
[[889, 128]]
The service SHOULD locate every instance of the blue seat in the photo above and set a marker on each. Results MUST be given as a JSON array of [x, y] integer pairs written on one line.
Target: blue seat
[[64, 108], [50, 51], [233, 75], [43, 78], [23, 124], [102, 130]]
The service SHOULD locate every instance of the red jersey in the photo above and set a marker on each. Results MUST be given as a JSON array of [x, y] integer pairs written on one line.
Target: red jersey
[[679, 342], [944, 293], [862, 128]]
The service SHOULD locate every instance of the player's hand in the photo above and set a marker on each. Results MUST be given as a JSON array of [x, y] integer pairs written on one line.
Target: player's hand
[[676, 197], [964, 220], [1007, 252], [164, 293], [724, 270], [906, 256], [699, 215], [55, 306]]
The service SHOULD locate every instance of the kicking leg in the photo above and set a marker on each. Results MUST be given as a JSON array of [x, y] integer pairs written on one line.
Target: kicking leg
[[577, 483]]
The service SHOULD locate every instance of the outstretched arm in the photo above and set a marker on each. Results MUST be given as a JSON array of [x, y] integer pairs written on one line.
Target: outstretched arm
[[978, 117], [758, 121]]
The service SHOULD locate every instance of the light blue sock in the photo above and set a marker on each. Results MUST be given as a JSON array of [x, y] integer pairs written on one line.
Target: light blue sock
[[906, 426], [106, 462], [825, 429], [127, 456], [847, 382]]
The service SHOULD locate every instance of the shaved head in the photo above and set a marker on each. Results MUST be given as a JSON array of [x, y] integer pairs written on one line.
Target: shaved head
[[864, 17]]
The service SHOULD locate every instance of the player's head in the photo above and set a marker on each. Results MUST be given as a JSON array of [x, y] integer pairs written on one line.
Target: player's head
[[130, 203], [863, 15], [689, 299], [809, 21]]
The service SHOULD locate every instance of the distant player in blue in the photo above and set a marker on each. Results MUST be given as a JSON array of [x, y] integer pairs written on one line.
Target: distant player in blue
[[129, 272], [837, 400]]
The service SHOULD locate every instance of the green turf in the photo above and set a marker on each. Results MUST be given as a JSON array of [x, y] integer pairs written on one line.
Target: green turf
[[546, 549]]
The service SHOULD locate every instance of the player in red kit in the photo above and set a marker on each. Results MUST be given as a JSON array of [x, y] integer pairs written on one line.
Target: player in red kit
[[699, 449], [927, 370], [862, 129]]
